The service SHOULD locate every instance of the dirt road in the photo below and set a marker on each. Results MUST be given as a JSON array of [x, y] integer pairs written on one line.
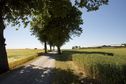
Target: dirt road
[[37, 72]]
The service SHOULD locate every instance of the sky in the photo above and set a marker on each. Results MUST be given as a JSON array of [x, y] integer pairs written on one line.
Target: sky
[[103, 27]]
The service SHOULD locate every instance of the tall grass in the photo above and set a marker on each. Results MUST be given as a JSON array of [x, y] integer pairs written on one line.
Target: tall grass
[[104, 68], [66, 73]]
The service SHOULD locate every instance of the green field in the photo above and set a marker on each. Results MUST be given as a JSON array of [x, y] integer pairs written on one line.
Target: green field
[[104, 65], [81, 66], [17, 57]]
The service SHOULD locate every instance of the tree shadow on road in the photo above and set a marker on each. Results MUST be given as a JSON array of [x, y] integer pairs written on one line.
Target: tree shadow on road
[[34, 75], [27, 75]]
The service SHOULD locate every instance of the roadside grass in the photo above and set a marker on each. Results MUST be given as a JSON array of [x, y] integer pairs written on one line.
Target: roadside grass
[[101, 66], [65, 72], [17, 57], [62, 61]]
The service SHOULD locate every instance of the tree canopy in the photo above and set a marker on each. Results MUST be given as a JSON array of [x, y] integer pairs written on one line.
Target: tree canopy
[[14, 11], [91, 5], [57, 29]]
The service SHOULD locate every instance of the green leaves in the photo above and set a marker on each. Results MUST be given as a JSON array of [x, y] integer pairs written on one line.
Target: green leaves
[[57, 22], [18, 11], [90, 5]]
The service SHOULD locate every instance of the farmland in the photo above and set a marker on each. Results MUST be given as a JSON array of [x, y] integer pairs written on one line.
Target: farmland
[[19, 56], [81, 66], [104, 65]]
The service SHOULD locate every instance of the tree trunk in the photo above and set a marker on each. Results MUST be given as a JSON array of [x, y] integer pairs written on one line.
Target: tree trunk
[[3, 55], [50, 48], [59, 51], [53, 48], [45, 46]]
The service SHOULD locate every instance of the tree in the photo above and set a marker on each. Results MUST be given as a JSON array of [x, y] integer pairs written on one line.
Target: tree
[[40, 32], [124, 44], [58, 37], [43, 38], [62, 28], [90, 5], [51, 44], [68, 26], [14, 11]]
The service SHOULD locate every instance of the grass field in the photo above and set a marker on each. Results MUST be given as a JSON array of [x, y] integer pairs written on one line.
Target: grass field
[[19, 56], [104, 65]]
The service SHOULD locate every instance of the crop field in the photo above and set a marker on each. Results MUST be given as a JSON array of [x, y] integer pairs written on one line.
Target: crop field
[[105, 65], [81, 66], [20, 56]]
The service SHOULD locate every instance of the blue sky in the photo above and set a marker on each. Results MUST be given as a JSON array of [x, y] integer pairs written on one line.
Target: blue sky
[[105, 26]]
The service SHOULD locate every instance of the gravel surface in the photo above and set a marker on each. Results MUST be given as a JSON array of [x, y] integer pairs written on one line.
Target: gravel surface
[[36, 72]]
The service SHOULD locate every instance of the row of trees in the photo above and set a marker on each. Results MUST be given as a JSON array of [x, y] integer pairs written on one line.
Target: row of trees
[[76, 47], [124, 44], [56, 30], [19, 11]]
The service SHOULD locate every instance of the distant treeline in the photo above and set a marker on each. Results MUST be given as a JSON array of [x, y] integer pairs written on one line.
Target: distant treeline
[[103, 46]]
